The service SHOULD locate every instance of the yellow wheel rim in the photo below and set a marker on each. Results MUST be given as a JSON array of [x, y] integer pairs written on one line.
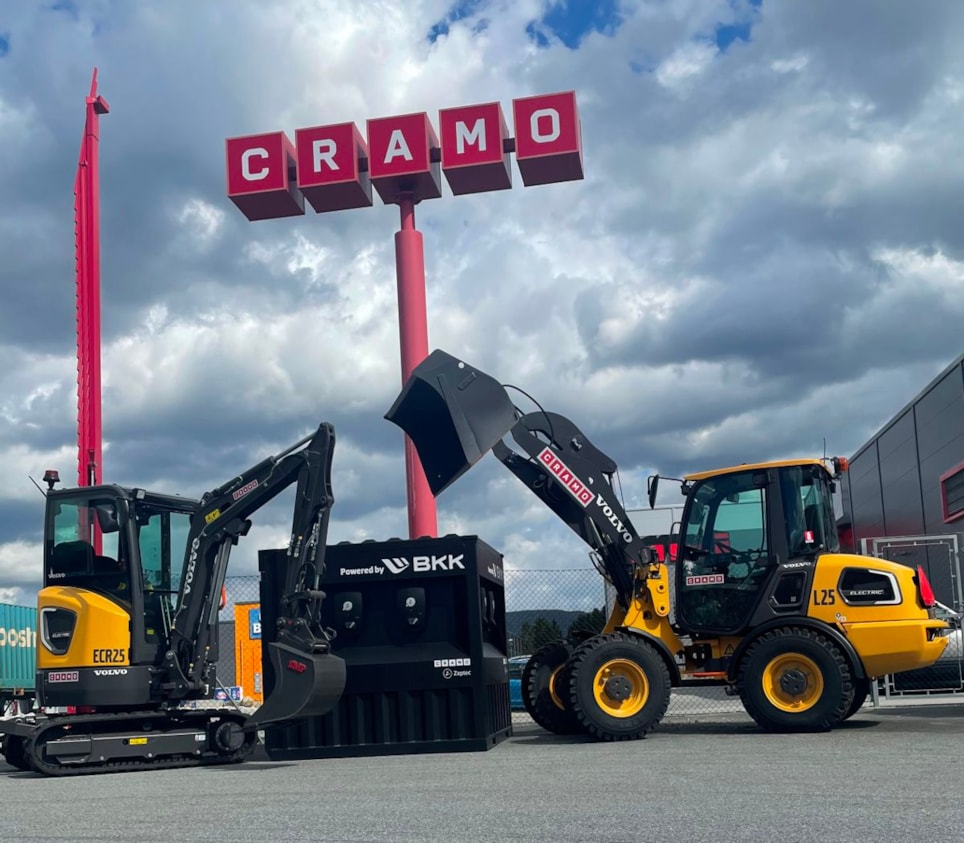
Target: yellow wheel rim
[[792, 682], [552, 688], [620, 688]]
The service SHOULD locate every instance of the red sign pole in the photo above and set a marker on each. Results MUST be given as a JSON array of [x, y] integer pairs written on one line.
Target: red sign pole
[[87, 258], [334, 168], [413, 334]]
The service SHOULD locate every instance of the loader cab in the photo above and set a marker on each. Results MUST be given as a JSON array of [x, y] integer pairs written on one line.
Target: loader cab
[[739, 527], [127, 545]]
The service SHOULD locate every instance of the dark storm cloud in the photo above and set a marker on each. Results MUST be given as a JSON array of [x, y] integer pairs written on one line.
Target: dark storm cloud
[[777, 211]]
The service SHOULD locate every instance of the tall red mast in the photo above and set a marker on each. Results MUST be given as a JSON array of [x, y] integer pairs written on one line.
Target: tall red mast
[[87, 259]]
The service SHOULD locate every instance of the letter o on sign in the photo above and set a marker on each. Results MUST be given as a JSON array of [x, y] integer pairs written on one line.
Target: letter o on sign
[[548, 142]]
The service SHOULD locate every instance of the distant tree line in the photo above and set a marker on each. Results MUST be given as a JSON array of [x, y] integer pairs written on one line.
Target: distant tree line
[[541, 631]]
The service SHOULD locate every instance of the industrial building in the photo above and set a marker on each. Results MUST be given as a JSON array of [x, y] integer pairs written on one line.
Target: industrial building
[[903, 497]]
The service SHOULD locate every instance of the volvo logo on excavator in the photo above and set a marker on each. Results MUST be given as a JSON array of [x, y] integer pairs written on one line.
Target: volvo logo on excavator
[[191, 565]]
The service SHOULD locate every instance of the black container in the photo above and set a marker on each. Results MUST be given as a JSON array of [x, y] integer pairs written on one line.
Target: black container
[[421, 627]]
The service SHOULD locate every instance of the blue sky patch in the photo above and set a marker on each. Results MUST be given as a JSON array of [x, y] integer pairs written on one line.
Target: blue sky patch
[[571, 20], [68, 7], [459, 11], [739, 30], [4, 43]]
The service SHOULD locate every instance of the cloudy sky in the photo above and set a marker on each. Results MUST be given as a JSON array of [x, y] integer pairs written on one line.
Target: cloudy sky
[[766, 251]]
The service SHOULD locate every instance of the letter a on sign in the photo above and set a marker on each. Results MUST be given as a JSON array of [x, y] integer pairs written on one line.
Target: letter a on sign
[[399, 157], [548, 140]]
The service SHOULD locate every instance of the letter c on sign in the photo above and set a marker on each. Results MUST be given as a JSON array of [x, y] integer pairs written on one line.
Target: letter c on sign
[[259, 152], [554, 129]]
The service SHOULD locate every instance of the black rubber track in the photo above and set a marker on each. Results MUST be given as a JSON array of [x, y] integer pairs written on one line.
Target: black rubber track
[[838, 680], [101, 723]]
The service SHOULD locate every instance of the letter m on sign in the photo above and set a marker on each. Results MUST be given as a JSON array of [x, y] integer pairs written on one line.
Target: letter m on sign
[[473, 148]]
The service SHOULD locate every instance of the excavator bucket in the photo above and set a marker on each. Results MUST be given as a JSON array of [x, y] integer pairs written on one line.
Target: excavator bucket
[[305, 685], [453, 414]]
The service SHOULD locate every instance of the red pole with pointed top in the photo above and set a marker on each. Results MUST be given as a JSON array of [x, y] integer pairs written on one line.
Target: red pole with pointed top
[[87, 268]]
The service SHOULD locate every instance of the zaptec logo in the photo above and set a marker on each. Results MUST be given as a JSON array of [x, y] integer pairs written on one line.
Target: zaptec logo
[[396, 564]]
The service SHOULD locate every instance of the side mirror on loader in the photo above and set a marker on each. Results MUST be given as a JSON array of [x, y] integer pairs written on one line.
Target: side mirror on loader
[[453, 413], [652, 485]]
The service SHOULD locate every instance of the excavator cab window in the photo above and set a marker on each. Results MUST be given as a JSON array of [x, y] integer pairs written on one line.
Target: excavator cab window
[[85, 547], [724, 553]]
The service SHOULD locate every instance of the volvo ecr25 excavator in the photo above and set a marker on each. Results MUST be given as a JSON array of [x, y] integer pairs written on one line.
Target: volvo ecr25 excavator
[[128, 615], [761, 601]]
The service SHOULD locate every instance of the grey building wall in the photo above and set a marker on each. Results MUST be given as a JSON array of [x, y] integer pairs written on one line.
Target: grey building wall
[[893, 485]]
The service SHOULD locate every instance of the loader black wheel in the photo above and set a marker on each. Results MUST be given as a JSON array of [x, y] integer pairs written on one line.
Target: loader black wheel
[[545, 682], [861, 692], [619, 687], [795, 680], [14, 752]]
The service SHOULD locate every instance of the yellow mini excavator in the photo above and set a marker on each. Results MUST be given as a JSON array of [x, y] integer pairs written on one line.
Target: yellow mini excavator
[[128, 619], [763, 600]]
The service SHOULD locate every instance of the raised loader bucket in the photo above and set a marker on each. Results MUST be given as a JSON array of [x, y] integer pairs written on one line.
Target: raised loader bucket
[[305, 685], [453, 414]]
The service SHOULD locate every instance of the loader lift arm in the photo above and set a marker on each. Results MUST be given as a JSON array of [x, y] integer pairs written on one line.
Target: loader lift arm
[[454, 414], [219, 521]]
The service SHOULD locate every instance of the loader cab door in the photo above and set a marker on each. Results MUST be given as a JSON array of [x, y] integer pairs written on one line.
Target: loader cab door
[[725, 556]]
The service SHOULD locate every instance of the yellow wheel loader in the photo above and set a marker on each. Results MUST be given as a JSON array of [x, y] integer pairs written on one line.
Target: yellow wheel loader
[[758, 596], [128, 619]]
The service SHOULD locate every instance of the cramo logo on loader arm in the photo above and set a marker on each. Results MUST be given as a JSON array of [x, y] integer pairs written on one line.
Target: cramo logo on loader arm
[[580, 491], [417, 564]]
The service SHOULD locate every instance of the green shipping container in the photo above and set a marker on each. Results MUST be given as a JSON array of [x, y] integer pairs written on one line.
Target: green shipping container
[[18, 649]]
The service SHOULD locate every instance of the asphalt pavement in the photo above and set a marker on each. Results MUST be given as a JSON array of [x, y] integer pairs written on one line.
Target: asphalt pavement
[[887, 775]]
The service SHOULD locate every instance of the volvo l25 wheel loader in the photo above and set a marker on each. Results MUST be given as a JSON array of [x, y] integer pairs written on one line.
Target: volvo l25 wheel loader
[[763, 601], [127, 621]]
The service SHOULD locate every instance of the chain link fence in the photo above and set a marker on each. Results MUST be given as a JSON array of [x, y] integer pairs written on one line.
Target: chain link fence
[[541, 606]]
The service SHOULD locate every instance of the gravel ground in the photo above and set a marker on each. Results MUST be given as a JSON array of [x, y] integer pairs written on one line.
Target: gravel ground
[[887, 775]]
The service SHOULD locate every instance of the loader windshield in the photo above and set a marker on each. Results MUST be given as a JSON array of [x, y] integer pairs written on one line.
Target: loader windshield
[[808, 510]]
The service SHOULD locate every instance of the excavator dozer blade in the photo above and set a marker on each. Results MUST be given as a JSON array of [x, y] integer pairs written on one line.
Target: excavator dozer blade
[[453, 413], [305, 685]]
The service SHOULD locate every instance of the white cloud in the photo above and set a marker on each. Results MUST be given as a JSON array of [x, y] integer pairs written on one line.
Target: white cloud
[[755, 231]]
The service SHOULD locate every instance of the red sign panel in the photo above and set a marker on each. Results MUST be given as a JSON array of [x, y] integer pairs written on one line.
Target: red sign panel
[[330, 167], [548, 139], [259, 169], [473, 148], [400, 157], [333, 168]]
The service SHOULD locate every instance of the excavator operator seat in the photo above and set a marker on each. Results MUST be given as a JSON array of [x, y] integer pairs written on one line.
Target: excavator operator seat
[[72, 558]]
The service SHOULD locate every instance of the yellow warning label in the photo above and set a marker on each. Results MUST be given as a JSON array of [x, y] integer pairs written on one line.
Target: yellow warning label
[[213, 515], [138, 741]]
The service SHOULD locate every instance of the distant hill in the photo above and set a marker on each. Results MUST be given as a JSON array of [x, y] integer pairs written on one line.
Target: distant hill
[[515, 620]]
